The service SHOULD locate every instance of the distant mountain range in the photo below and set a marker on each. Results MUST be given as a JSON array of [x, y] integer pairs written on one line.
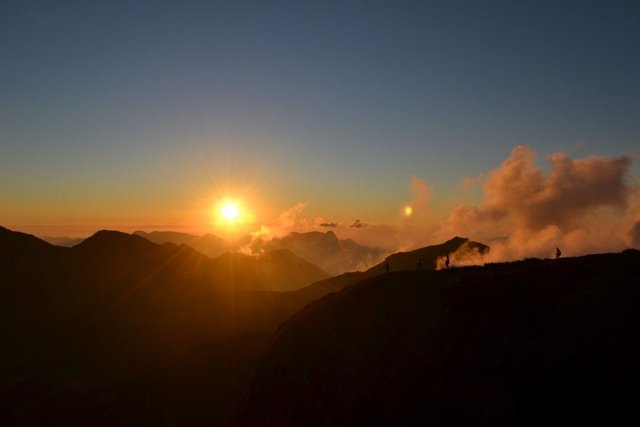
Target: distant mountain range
[[333, 255], [325, 250], [117, 307], [208, 244]]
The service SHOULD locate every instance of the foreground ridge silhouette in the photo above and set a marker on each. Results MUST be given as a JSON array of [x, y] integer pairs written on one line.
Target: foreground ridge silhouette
[[531, 342]]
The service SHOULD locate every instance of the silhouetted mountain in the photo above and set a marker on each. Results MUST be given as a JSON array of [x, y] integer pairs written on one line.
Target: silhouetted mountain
[[279, 270], [212, 245], [522, 343], [91, 333], [161, 237], [208, 244], [112, 242], [325, 250], [429, 255], [14, 244]]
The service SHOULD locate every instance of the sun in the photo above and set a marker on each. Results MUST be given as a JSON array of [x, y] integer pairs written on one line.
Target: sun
[[229, 211], [232, 215]]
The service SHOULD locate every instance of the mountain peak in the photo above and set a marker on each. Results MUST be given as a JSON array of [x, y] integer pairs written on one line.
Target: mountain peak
[[110, 240], [457, 239], [427, 256], [15, 241]]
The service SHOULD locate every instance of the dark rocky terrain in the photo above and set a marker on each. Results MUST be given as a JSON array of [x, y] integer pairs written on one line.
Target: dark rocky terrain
[[535, 342]]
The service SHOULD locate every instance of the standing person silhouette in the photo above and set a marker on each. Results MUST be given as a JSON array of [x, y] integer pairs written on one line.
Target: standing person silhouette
[[558, 252], [446, 262]]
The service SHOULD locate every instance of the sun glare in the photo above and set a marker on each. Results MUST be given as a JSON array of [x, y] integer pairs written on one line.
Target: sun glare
[[232, 215], [229, 211], [408, 211]]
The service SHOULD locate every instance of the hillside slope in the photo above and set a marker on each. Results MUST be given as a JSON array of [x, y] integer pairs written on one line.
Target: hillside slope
[[524, 343]]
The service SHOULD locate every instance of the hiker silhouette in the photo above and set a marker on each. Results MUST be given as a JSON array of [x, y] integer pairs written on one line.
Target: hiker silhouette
[[558, 252], [446, 262]]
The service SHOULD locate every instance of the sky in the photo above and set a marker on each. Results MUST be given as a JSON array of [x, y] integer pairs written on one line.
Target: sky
[[146, 115]]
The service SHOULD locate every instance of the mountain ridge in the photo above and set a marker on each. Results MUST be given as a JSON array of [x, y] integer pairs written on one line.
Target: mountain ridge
[[428, 256], [324, 249], [85, 324], [501, 344]]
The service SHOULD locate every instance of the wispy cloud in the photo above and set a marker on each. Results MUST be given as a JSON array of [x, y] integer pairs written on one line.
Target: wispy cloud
[[421, 194]]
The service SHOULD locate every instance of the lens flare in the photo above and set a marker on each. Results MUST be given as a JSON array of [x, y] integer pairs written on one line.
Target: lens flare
[[408, 211]]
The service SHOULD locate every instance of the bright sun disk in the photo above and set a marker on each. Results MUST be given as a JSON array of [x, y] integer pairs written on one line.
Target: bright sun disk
[[229, 211]]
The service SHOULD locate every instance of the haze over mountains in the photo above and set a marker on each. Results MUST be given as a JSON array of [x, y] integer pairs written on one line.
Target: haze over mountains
[[325, 250], [333, 255], [208, 244]]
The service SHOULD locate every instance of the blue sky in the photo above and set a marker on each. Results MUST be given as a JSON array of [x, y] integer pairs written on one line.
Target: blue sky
[[135, 109]]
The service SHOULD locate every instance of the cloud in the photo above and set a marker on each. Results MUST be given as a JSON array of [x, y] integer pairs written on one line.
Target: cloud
[[572, 188], [467, 254], [634, 235], [320, 222], [420, 196], [328, 224], [357, 224], [288, 219], [471, 182], [286, 222], [575, 204]]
